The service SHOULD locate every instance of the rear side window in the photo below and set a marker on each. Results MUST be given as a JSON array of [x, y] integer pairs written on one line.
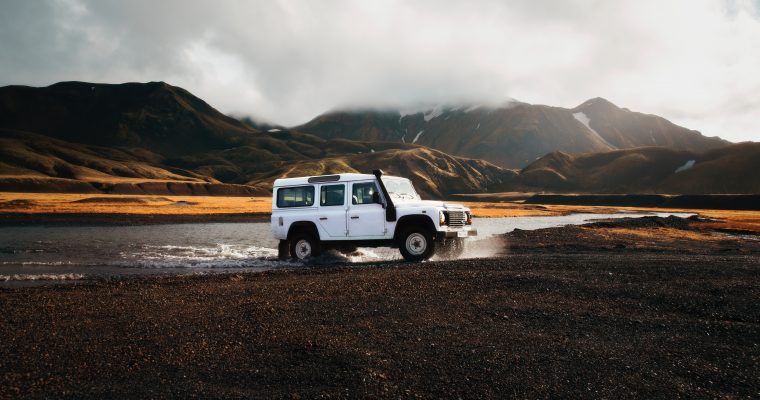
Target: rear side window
[[301, 196], [362, 193], [332, 195]]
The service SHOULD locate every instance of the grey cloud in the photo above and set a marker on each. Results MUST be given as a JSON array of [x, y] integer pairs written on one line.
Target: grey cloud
[[287, 61]]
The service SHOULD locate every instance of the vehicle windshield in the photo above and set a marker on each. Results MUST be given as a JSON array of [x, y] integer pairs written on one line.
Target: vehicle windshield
[[400, 188]]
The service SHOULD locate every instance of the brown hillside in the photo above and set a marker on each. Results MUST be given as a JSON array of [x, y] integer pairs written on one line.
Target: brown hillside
[[435, 174], [33, 155], [729, 169]]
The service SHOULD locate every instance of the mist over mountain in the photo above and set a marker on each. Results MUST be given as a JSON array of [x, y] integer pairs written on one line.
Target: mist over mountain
[[514, 134]]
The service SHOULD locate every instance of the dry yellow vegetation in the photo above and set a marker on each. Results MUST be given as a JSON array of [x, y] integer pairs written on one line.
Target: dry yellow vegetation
[[659, 234], [748, 221], [131, 204]]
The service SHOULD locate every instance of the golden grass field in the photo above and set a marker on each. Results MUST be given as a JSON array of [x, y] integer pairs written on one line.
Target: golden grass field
[[65, 203], [61, 203]]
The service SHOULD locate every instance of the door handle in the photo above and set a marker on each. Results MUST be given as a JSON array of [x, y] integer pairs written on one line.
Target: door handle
[[354, 217], [322, 218]]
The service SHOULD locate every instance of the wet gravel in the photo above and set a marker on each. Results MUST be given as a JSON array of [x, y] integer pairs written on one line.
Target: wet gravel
[[613, 325]]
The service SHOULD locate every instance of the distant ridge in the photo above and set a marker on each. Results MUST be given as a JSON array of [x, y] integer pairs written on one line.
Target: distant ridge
[[514, 134], [729, 169]]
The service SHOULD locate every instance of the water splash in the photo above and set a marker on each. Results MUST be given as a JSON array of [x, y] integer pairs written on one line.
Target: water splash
[[41, 277]]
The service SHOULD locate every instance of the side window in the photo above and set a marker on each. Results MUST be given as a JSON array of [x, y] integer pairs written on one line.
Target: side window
[[332, 195], [362, 193], [301, 196]]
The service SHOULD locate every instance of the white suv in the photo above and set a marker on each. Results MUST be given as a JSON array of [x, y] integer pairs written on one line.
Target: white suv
[[310, 214]]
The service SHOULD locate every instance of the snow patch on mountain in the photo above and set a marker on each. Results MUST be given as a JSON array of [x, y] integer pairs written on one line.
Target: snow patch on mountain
[[437, 111], [417, 137], [584, 119], [686, 166]]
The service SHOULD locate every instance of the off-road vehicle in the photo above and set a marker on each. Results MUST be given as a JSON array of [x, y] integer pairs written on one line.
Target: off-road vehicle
[[346, 211]]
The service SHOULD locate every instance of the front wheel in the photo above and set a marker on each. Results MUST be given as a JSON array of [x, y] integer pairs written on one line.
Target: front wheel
[[452, 249], [416, 245], [304, 247]]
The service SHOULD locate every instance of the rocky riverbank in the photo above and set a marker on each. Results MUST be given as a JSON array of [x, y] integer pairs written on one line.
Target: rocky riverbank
[[693, 235]]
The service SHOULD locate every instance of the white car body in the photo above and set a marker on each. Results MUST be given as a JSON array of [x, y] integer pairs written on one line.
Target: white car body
[[352, 219]]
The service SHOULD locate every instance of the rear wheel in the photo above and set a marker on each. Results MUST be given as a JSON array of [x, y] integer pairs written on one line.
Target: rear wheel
[[416, 244], [304, 247]]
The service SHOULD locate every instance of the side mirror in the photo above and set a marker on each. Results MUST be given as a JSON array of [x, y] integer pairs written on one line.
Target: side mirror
[[376, 198]]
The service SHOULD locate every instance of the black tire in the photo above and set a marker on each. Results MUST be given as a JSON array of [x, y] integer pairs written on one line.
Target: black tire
[[283, 250], [416, 244], [451, 249], [304, 246]]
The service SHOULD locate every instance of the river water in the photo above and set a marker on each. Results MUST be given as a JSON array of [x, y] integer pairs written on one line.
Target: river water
[[69, 253]]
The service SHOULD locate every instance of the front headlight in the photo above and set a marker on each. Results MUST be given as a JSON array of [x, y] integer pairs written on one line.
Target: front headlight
[[441, 218], [468, 220]]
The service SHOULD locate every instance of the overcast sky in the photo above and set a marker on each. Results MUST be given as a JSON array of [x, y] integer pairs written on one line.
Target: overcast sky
[[695, 62]]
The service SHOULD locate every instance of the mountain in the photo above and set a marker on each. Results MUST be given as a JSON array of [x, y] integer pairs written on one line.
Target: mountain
[[513, 134], [622, 128], [143, 137], [728, 169], [154, 116], [158, 138]]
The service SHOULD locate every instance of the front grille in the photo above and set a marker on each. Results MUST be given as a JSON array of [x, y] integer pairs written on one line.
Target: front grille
[[457, 219]]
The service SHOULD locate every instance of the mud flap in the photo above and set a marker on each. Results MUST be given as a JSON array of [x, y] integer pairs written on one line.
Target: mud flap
[[283, 250]]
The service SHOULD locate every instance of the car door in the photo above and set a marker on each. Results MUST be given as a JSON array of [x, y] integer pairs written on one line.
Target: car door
[[332, 209], [365, 217]]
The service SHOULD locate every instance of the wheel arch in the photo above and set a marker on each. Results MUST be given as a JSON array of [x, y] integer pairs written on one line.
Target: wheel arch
[[303, 226], [423, 221]]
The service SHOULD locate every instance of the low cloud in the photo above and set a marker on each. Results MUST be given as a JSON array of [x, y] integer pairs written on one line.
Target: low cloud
[[694, 62]]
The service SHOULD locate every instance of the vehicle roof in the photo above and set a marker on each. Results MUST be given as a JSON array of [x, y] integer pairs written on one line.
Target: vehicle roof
[[304, 180]]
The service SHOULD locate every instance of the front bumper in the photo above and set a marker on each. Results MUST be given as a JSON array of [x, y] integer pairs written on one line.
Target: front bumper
[[456, 234]]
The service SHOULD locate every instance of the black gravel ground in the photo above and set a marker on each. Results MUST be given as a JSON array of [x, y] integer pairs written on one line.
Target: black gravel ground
[[618, 325]]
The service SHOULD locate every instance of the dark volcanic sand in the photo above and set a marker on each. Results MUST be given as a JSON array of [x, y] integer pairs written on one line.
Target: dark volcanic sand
[[615, 325]]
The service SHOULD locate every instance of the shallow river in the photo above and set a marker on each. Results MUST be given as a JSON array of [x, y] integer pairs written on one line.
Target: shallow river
[[65, 253]]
